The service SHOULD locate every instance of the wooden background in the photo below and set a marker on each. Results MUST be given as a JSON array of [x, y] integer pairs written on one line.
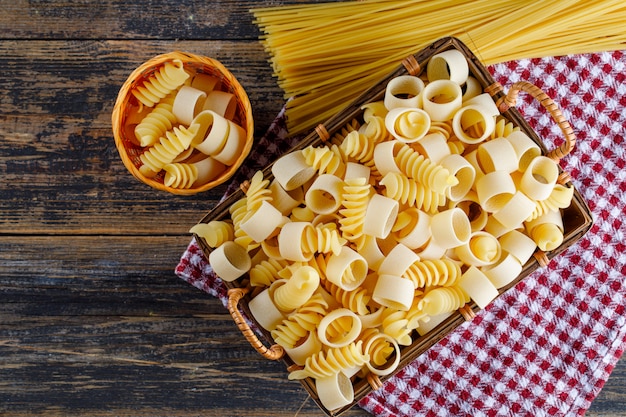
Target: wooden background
[[93, 321]]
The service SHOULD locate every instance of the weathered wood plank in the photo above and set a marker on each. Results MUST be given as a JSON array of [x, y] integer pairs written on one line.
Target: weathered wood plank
[[60, 168], [100, 325], [118, 19], [115, 19]]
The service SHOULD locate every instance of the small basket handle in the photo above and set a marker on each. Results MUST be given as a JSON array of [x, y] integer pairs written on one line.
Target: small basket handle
[[274, 352], [510, 100]]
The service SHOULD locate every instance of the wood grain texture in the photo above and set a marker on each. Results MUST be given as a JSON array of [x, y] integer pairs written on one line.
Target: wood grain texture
[[93, 321], [57, 148]]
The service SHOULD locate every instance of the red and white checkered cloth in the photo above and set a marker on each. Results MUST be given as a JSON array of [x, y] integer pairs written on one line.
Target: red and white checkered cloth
[[547, 346]]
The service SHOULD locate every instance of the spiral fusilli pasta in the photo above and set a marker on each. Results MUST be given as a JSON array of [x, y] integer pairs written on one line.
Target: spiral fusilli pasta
[[164, 81], [326, 160], [414, 165], [266, 272], [356, 193], [411, 192], [169, 147], [441, 300], [156, 123], [434, 272], [303, 321], [257, 192], [332, 361]]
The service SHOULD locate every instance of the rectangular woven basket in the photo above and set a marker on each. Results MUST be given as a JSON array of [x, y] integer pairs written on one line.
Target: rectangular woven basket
[[576, 218]]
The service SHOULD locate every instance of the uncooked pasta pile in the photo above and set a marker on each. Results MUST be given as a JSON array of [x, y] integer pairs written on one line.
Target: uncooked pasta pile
[[324, 55]]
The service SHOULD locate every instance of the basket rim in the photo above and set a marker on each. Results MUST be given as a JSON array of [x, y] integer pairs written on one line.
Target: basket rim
[[189, 60]]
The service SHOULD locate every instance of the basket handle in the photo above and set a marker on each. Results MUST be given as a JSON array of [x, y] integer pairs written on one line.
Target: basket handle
[[274, 352], [510, 100]]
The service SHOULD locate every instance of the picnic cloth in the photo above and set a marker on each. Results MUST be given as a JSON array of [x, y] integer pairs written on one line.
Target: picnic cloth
[[547, 346]]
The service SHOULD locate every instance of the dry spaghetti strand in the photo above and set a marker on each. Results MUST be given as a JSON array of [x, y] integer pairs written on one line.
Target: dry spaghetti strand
[[321, 69]]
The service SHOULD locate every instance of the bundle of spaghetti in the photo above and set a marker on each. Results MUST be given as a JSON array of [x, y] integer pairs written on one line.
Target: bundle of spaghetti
[[325, 54]]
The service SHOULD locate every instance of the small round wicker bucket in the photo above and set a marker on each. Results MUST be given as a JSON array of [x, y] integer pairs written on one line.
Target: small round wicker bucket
[[128, 148]]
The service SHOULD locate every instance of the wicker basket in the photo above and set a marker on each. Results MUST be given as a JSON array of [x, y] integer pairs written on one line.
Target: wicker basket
[[130, 151], [577, 218]]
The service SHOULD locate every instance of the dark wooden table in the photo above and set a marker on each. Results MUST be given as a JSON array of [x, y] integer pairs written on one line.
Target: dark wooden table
[[93, 320]]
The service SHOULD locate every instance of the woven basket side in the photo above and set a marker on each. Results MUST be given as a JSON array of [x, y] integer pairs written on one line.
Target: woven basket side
[[130, 152]]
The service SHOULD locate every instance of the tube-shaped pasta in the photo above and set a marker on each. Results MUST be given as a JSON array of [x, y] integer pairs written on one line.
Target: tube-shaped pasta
[[412, 228], [347, 270], [230, 261], [380, 348], [434, 146], [265, 311], [504, 271], [450, 228], [473, 124], [485, 101], [482, 249], [474, 283], [214, 132], [222, 103], [334, 391], [283, 200], [339, 328], [441, 99], [497, 155], [403, 91], [380, 216], [463, 172], [397, 261], [494, 190], [394, 292], [262, 222], [291, 171], [513, 213], [525, 148], [324, 195], [518, 244], [448, 65], [188, 103], [539, 178]]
